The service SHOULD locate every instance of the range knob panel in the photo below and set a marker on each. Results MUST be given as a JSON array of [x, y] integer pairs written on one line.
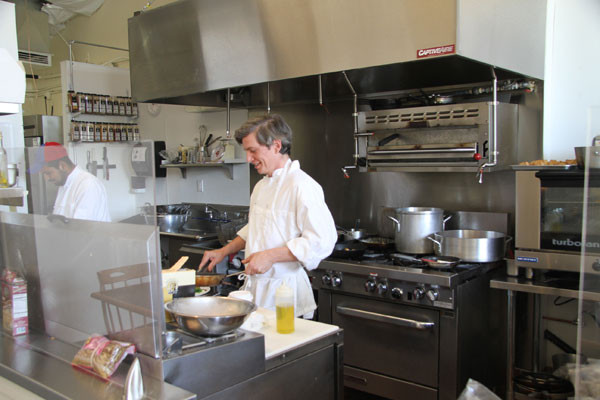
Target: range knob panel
[[370, 285], [382, 287], [432, 294], [397, 293], [336, 280], [418, 293]]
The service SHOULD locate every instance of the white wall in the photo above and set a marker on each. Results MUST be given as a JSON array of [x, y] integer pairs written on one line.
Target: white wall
[[11, 126], [177, 126], [571, 87]]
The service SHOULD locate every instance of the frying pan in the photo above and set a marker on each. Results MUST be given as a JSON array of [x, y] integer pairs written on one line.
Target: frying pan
[[351, 249], [441, 262], [378, 243], [407, 261], [210, 279]]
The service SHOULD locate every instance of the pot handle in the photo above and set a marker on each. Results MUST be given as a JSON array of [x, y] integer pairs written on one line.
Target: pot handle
[[437, 243], [444, 220], [396, 222]]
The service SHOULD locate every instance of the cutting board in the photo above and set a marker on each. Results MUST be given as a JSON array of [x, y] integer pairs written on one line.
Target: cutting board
[[278, 343]]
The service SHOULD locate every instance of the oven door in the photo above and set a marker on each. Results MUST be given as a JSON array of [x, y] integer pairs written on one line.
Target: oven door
[[391, 339]]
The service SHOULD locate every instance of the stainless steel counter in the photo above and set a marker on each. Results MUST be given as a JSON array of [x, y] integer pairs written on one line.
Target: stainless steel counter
[[529, 286], [49, 374]]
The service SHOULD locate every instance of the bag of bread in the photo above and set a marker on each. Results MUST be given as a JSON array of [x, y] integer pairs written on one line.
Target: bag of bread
[[108, 357], [102, 355], [84, 356]]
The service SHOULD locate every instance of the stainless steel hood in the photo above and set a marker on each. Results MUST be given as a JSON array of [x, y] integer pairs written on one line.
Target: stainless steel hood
[[188, 51]]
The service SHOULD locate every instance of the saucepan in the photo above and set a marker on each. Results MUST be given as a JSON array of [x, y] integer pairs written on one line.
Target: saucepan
[[589, 156], [438, 262], [470, 245], [352, 234], [211, 279]]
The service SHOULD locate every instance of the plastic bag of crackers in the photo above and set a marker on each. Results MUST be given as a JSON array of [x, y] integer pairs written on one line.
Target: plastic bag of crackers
[[102, 355]]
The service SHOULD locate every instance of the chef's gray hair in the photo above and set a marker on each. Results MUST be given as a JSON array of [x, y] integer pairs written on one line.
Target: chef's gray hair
[[268, 128]]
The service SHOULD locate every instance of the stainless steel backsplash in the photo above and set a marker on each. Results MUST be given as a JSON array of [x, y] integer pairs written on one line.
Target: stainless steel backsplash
[[323, 143]]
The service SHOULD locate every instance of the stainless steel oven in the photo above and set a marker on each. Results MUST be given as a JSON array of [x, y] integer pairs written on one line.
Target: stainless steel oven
[[551, 207], [411, 332]]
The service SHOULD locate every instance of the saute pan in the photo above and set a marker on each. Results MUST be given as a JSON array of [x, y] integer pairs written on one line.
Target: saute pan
[[211, 279], [352, 250]]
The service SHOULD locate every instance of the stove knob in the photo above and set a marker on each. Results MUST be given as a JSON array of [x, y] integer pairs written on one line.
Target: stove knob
[[382, 287], [397, 293], [370, 286], [418, 293], [432, 294], [336, 281], [236, 262], [326, 280]]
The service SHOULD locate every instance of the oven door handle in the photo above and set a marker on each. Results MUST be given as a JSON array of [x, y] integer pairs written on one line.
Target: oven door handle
[[373, 316]]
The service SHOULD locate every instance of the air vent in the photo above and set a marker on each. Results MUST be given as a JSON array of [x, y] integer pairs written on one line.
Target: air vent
[[421, 116], [36, 58]]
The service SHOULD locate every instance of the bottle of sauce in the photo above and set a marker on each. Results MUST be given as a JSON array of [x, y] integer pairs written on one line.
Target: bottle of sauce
[[284, 309]]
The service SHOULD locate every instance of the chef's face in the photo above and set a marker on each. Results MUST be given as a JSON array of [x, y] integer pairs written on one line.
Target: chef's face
[[265, 159], [56, 175]]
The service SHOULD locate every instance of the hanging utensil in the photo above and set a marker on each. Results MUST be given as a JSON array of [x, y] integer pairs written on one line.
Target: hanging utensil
[[177, 266]]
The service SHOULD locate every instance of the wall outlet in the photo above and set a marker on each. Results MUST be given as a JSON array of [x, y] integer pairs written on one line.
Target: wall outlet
[[200, 185]]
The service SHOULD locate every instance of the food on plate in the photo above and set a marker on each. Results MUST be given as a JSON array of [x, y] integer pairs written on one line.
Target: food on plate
[[549, 162]]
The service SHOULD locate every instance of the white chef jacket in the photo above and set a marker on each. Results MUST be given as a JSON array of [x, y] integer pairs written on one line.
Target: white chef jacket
[[82, 196], [288, 209]]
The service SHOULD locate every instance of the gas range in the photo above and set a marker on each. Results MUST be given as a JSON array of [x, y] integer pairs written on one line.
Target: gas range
[[376, 275]]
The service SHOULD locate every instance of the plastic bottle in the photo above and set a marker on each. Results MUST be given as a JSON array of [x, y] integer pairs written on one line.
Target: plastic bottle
[[3, 165], [284, 308]]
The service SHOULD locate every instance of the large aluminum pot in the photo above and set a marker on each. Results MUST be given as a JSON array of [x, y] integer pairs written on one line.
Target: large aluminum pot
[[470, 245], [414, 225], [589, 156], [210, 315]]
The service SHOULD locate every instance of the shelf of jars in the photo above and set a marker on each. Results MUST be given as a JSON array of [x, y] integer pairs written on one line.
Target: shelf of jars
[[233, 167], [102, 118]]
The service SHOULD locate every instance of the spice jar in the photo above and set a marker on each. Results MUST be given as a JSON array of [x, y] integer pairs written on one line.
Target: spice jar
[[128, 109], [75, 131], [73, 102], [109, 105], [118, 133], [97, 132], [121, 105], [111, 132]]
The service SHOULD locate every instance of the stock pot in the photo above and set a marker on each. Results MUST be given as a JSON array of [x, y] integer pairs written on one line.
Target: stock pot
[[414, 225], [470, 245]]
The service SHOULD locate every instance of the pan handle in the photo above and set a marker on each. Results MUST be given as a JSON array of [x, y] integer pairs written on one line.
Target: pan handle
[[396, 222]]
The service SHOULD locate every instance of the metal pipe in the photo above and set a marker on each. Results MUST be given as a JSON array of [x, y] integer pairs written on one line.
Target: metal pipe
[[228, 132], [510, 339], [355, 117], [97, 45], [71, 64], [320, 91], [492, 132], [268, 97]]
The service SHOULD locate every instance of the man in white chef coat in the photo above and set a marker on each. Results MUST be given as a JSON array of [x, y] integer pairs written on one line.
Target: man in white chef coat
[[80, 194], [289, 225]]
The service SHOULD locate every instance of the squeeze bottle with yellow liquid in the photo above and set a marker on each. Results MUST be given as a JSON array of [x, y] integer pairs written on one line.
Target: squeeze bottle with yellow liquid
[[284, 308]]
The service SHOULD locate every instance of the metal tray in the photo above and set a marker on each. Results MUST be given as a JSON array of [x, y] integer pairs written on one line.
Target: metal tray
[[542, 167]]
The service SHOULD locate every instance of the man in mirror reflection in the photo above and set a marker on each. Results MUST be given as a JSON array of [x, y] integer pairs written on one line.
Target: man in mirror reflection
[[80, 194]]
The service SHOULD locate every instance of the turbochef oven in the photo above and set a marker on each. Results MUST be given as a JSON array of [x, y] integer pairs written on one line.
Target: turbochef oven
[[550, 206], [410, 332]]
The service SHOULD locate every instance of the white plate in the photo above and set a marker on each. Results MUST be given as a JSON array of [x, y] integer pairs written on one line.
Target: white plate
[[201, 291]]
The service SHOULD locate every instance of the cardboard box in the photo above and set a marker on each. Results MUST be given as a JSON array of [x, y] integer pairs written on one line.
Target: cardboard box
[[14, 304]]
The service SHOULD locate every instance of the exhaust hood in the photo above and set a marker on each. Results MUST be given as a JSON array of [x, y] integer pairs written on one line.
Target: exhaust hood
[[383, 45]]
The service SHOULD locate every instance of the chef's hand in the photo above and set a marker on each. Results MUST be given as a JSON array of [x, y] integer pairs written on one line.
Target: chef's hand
[[212, 257], [258, 263]]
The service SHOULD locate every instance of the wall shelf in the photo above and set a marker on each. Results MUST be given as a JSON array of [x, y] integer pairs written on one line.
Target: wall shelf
[[12, 196], [232, 166]]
